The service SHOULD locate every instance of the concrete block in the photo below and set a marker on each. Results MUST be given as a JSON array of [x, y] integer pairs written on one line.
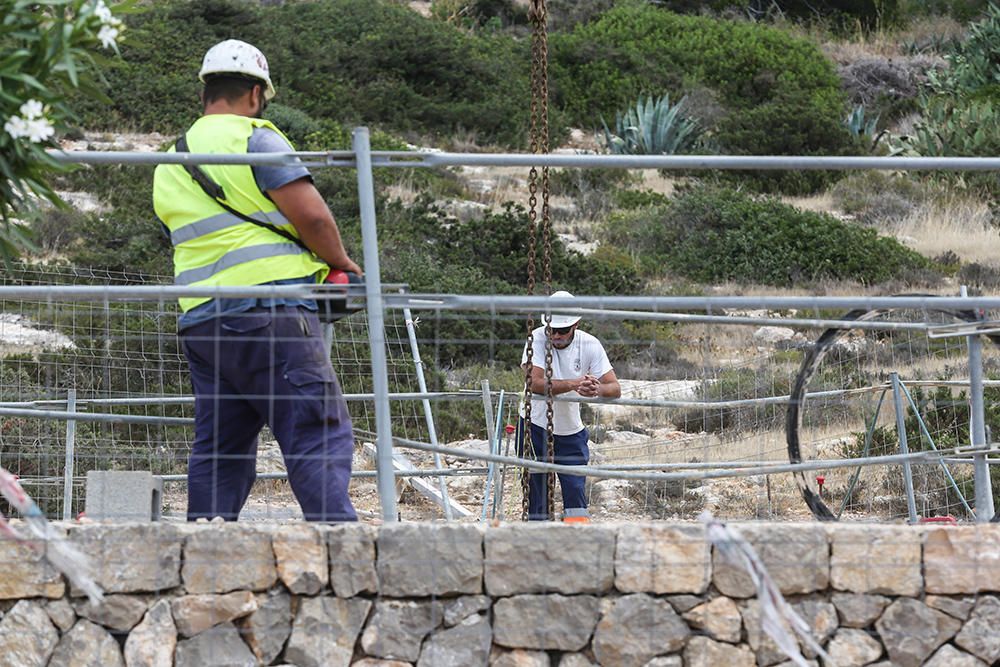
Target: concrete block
[[123, 496]]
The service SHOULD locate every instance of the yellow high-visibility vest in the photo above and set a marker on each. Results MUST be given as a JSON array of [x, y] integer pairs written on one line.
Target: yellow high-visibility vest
[[211, 245]]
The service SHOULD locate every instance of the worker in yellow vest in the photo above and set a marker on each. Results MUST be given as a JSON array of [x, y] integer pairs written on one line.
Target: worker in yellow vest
[[254, 361]]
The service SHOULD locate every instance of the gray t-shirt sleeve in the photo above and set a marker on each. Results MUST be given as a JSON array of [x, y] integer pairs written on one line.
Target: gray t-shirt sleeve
[[264, 140]]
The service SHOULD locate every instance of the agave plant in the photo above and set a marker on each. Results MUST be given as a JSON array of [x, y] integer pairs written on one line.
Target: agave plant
[[858, 125], [653, 127]]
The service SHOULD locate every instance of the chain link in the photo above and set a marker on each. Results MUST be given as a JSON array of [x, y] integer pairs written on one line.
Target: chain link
[[538, 107], [539, 143]]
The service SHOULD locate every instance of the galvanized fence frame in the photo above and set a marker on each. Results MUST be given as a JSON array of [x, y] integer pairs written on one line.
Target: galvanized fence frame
[[363, 159]]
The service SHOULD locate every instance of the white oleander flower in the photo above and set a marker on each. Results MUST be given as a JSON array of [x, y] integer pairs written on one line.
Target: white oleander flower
[[102, 11], [39, 130], [16, 127], [32, 109], [107, 35]]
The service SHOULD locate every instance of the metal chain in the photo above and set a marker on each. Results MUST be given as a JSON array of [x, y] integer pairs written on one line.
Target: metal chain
[[543, 96], [539, 139], [528, 448]]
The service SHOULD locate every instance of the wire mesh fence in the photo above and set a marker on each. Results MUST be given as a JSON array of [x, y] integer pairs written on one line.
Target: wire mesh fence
[[696, 396]]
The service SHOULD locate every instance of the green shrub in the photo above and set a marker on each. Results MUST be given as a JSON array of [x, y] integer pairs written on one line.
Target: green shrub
[[432, 253], [781, 95], [716, 235], [352, 61], [297, 125], [631, 199]]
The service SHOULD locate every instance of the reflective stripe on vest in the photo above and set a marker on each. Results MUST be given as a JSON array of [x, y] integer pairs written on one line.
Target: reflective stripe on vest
[[220, 222], [235, 258]]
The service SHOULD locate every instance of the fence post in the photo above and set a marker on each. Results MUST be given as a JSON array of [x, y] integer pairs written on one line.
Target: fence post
[[411, 332], [897, 397], [67, 512], [386, 481], [977, 430]]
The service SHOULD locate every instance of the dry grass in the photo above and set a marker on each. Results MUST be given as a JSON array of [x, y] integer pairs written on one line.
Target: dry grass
[[880, 42], [952, 222]]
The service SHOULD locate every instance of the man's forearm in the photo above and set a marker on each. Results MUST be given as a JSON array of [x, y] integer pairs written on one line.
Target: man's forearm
[[558, 386], [323, 238]]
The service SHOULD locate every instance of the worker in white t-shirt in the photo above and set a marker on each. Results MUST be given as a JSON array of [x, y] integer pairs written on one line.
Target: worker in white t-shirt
[[580, 367]]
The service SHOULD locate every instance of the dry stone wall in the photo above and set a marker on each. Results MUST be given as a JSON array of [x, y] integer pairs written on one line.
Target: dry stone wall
[[630, 595]]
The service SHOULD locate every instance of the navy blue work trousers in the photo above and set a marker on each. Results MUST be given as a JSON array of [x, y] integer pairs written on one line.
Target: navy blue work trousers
[[266, 366], [570, 450]]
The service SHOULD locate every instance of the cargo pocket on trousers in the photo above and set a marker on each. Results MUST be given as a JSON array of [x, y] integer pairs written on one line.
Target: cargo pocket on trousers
[[315, 388]]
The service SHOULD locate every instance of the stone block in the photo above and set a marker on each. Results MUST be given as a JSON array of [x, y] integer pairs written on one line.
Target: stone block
[[152, 642], [911, 631], [27, 636], [398, 628], [876, 559], [545, 622], [224, 557], [468, 643], [719, 618], [536, 558], [325, 631], [703, 652], [300, 552], [421, 559], [120, 613], [219, 647], [979, 634], [962, 559], [136, 558], [797, 556], [266, 630], [118, 495], [636, 629], [853, 648], [352, 559], [87, 645], [193, 614], [857, 610], [26, 572], [653, 558]]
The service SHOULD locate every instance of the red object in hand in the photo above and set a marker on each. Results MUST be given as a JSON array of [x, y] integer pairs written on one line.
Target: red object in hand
[[337, 277]]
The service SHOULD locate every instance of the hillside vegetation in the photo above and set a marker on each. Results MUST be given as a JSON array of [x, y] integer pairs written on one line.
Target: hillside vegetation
[[752, 82]]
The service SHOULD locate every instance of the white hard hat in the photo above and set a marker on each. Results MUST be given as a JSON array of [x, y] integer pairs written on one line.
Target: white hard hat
[[561, 321], [235, 57]]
